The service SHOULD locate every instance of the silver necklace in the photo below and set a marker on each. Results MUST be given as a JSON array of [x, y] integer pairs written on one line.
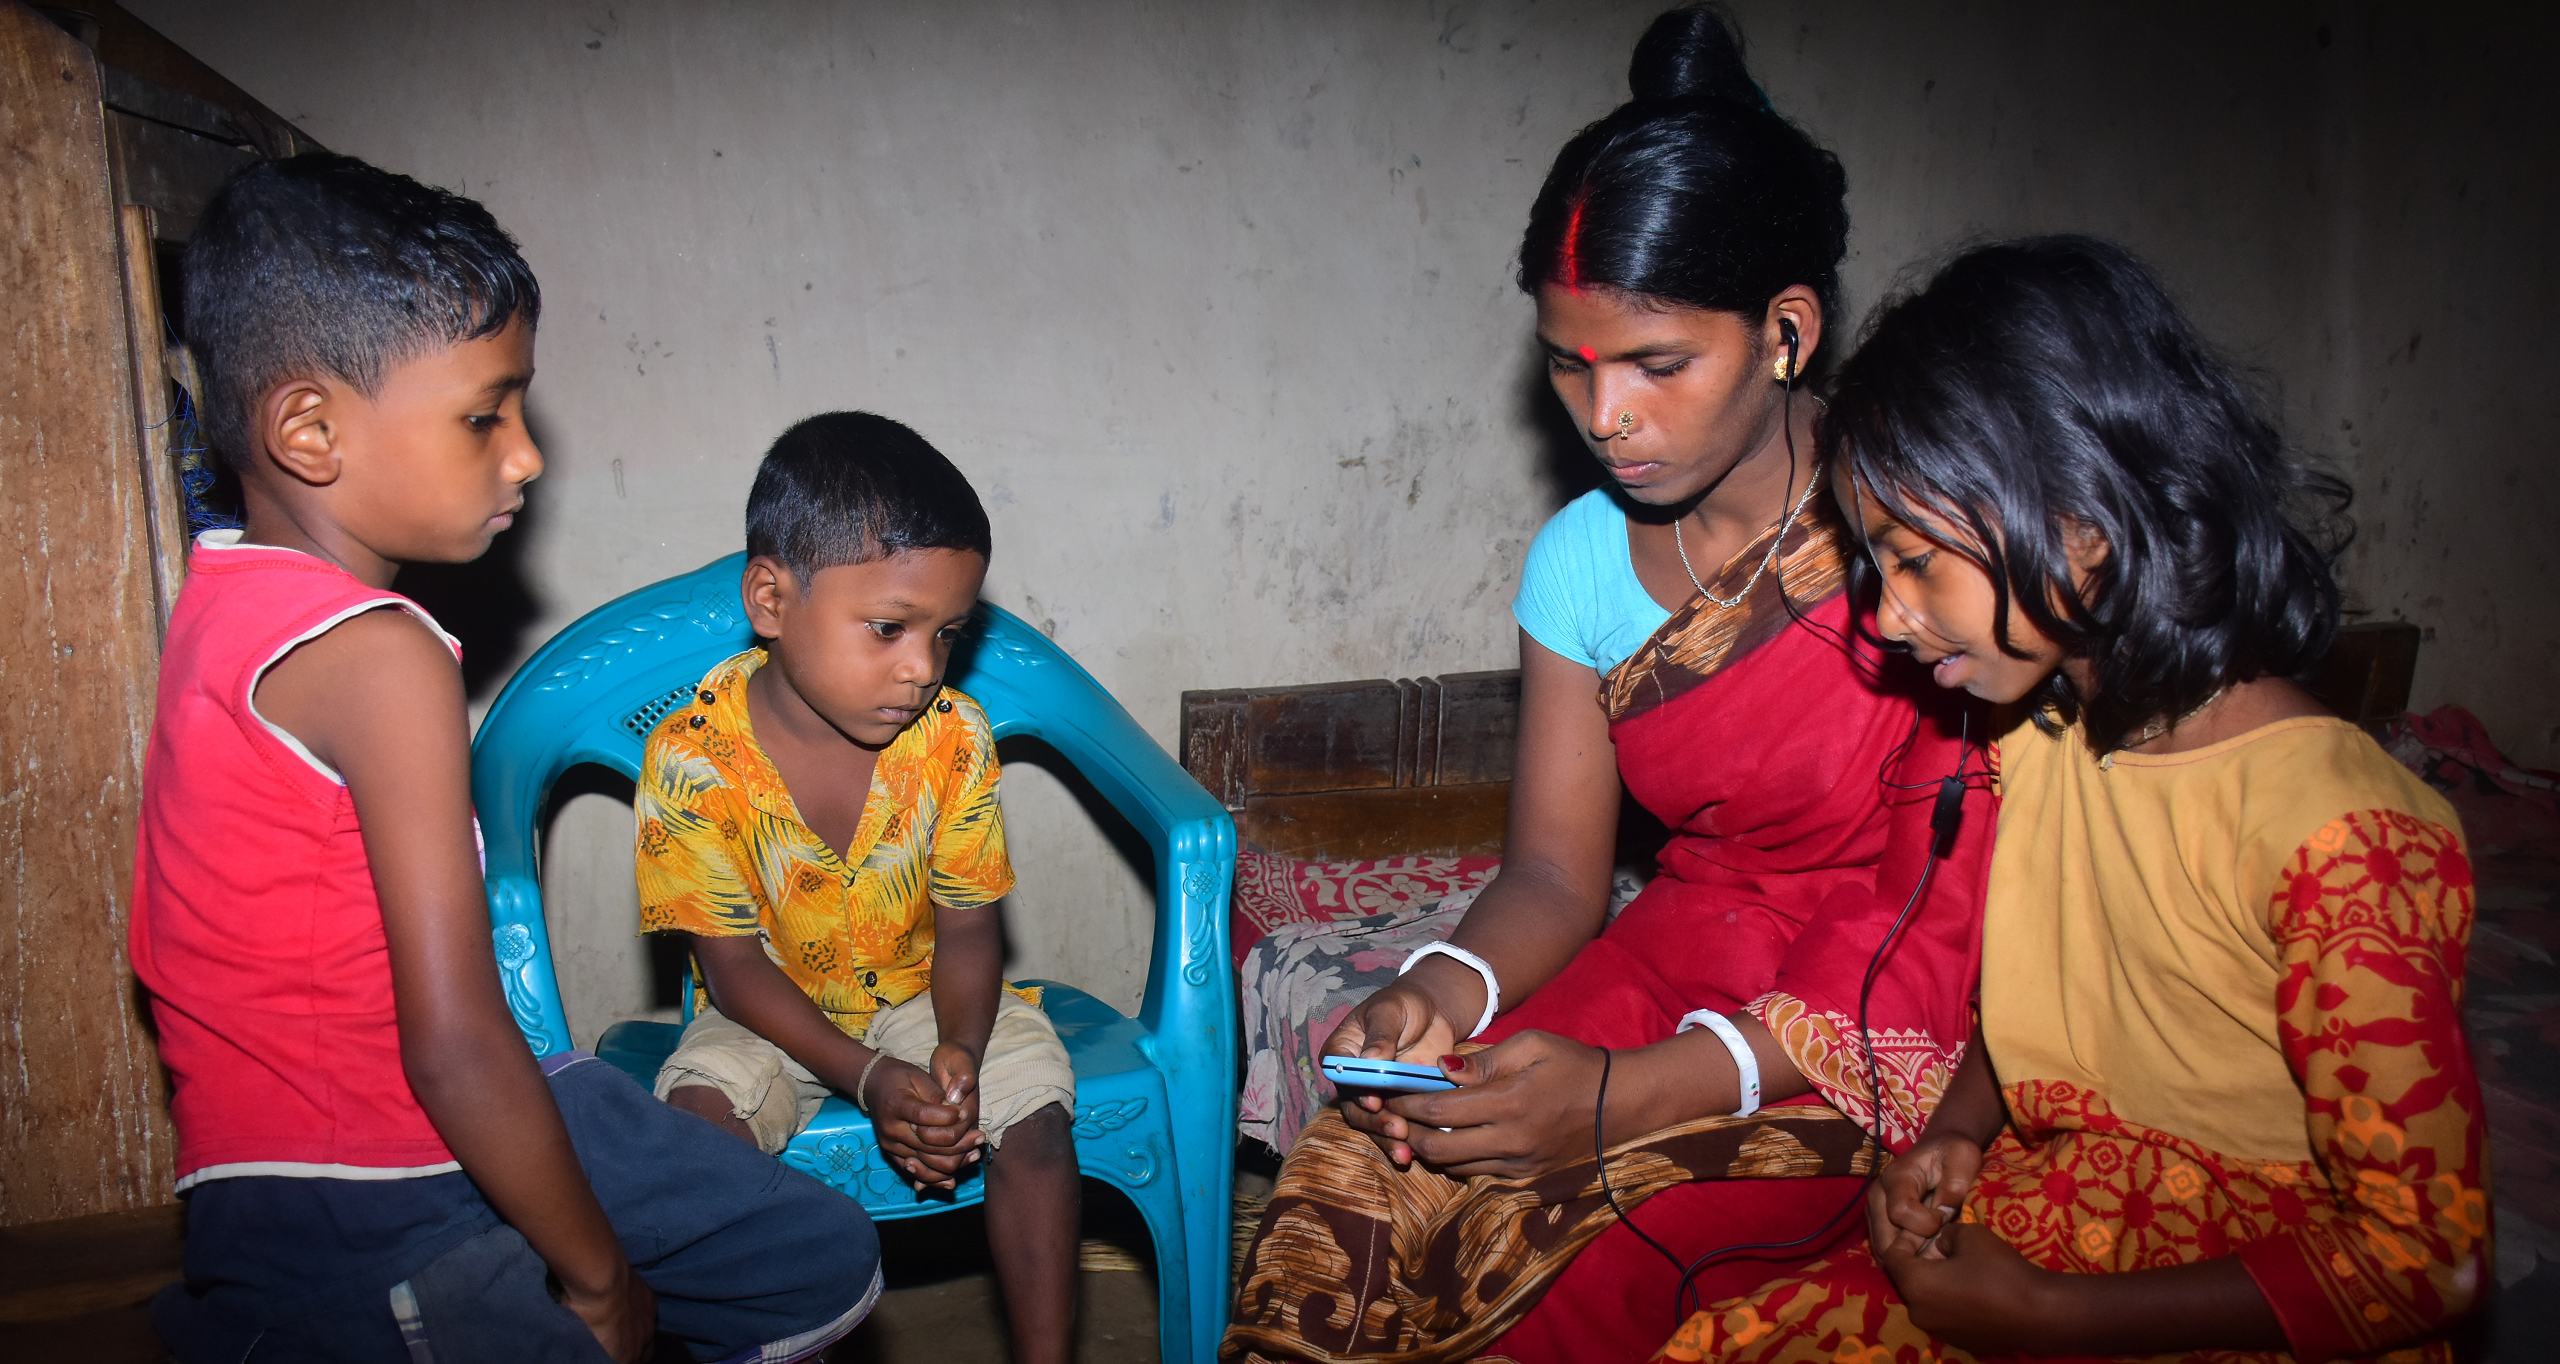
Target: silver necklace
[[1777, 536]]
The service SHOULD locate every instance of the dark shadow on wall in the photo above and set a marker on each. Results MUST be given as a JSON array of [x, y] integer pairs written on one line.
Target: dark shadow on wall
[[1116, 829], [666, 951], [1566, 468], [488, 603]]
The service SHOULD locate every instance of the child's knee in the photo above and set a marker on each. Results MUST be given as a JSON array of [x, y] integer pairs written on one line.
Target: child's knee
[[759, 1099], [712, 1106], [1046, 1135]]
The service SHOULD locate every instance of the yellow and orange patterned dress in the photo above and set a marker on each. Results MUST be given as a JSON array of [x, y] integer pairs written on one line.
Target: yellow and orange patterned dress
[[2222, 991], [723, 853]]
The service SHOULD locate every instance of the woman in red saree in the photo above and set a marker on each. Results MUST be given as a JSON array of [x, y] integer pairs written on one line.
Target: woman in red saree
[[1684, 255]]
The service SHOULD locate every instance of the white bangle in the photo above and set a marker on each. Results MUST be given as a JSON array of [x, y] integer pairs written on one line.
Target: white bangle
[[1492, 987], [1743, 1060]]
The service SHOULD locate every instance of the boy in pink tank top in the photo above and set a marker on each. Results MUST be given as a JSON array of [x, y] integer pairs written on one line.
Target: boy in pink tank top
[[376, 1165]]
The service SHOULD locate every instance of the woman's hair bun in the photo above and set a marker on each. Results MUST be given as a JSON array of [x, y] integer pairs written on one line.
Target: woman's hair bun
[[1693, 52], [1695, 193]]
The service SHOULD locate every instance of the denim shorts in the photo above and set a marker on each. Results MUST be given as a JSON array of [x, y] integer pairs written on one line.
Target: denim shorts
[[750, 1259]]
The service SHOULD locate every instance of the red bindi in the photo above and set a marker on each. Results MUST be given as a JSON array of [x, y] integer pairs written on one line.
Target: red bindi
[[1590, 356]]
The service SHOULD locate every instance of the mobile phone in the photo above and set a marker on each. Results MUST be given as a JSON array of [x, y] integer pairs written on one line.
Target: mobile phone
[[1367, 1072]]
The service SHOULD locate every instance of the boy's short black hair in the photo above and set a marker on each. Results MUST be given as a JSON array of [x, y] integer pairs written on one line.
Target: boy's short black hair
[[851, 487], [321, 264]]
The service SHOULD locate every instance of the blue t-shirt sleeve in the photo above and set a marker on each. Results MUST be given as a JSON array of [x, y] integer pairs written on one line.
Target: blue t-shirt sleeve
[[1557, 600], [1579, 595]]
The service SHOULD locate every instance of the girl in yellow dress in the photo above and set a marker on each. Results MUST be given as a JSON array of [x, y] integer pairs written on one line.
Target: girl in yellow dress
[[2219, 1105]]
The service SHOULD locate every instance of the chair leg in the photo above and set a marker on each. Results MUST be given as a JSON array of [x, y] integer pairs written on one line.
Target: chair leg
[[1207, 1199], [1141, 1166]]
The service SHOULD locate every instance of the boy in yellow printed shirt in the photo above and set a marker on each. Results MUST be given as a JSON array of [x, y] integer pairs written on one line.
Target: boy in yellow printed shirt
[[821, 823]]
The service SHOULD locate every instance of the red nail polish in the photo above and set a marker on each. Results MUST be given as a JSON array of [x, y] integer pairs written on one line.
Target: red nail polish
[[1453, 1063]]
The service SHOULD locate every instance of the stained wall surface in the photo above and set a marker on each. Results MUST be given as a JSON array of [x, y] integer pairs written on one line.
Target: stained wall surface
[[1212, 301], [2440, 350]]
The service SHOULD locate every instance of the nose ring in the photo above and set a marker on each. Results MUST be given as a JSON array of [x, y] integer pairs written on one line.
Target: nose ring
[[1626, 425]]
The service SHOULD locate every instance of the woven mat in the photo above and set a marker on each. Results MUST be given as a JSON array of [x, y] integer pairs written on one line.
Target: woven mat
[[1097, 1254]]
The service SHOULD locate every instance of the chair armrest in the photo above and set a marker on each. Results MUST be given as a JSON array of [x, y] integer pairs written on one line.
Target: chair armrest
[[1035, 689], [523, 945], [1188, 1014]]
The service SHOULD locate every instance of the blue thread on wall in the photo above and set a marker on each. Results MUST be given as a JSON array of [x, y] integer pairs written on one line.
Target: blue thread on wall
[[196, 471]]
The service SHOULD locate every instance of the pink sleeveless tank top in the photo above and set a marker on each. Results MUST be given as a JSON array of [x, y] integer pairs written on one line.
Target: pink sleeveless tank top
[[255, 924]]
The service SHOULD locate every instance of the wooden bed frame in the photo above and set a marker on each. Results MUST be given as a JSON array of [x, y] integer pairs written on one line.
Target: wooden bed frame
[[1349, 771]]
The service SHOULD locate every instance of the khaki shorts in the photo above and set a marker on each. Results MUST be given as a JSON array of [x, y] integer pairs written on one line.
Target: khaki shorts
[[1025, 1068]]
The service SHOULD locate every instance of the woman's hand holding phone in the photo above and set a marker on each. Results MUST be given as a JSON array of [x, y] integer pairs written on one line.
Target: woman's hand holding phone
[[1399, 1023]]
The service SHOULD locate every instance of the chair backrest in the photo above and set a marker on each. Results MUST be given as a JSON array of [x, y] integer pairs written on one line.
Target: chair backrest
[[593, 693]]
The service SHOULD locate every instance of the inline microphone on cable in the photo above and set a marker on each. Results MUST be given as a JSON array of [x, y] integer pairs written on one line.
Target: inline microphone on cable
[[1948, 816]]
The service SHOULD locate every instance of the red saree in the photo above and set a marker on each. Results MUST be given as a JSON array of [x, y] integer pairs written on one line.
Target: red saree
[[1797, 771]]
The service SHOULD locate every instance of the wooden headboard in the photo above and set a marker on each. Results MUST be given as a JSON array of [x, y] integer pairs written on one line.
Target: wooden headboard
[[1346, 771]]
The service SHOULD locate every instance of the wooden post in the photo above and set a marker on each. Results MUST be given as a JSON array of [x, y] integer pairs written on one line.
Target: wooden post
[[144, 338], [84, 1122]]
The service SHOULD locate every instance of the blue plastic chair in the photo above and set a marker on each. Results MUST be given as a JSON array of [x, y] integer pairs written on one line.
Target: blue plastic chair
[[1155, 1095]]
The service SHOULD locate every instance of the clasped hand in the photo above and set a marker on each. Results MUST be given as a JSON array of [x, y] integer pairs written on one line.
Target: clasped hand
[[927, 1120], [1959, 1280], [1523, 1107]]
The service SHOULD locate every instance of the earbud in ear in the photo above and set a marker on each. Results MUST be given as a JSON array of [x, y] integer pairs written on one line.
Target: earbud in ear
[[1788, 368]]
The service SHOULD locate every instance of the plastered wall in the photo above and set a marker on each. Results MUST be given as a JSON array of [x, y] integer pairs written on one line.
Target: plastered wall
[[1213, 303], [2440, 351]]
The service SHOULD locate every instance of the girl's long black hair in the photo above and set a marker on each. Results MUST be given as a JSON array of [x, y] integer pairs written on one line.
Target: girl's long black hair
[[2035, 388]]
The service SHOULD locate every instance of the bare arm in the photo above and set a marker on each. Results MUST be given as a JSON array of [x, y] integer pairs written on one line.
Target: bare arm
[[1925, 1187], [380, 700], [1527, 1105], [751, 991], [1552, 895], [1971, 1108], [968, 973], [1985, 1296]]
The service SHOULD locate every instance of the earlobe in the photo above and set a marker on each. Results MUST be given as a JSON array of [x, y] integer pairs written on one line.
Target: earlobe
[[767, 588], [1795, 315], [299, 433]]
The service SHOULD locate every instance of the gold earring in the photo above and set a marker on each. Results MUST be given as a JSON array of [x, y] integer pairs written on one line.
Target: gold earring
[[1626, 425], [1786, 369]]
